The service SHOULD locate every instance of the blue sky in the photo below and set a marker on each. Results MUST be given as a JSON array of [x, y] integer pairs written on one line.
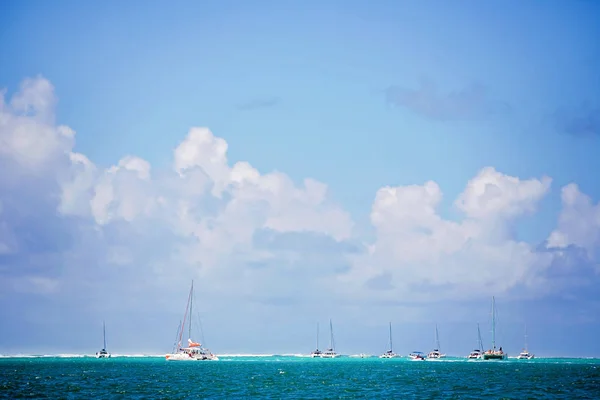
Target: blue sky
[[475, 101]]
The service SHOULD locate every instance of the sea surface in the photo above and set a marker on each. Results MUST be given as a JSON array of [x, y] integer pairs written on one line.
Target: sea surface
[[293, 377]]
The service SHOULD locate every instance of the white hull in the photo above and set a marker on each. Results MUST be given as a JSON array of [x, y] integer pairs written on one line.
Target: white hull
[[102, 355], [330, 355], [393, 355], [525, 356], [435, 356], [187, 357]]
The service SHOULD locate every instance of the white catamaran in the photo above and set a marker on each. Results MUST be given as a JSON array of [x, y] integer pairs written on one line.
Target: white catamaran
[[330, 352], [390, 353], [103, 353], [525, 354], [317, 352], [436, 354], [477, 354], [493, 353], [193, 351]]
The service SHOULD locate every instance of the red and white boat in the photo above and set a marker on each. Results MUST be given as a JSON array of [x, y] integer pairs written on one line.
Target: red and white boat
[[194, 350]]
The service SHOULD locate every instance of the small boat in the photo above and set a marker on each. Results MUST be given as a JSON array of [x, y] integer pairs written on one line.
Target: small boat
[[477, 354], [493, 353], [436, 354], [193, 351], [417, 356], [103, 353], [330, 352], [525, 354], [317, 353], [390, 353]]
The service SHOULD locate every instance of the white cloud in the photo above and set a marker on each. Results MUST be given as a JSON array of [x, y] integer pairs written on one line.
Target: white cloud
[[28, 135], [419, 255], [493, 194], [578, 223], [132, 223]]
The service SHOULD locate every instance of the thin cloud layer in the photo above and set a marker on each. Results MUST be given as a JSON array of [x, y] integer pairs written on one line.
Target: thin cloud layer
[[582, 122], [471, 102], [129, 233], [259, 103]]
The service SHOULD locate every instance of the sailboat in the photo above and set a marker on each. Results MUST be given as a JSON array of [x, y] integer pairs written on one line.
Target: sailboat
[[525, 354], [194, 350], [436, 354], [477, 354], [390, 353], [493, 353], [330, 352], [103, 353], [317, 352]]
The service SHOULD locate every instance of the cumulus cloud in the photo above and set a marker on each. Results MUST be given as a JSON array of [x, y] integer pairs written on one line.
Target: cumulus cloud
[[204, 211], [418, 254], [578, 223], [471, 102], [128, 236]]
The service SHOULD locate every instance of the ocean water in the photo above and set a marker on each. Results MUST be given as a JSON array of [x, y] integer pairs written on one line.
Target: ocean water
[[292, 377]]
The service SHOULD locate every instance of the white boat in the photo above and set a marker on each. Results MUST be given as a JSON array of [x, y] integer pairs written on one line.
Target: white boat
[[525, 354], [330, 352], [436, 353], [493, 353], [417, 356], [317, 353], [194, 350], [477, 354], [103, 353], [390, 353]]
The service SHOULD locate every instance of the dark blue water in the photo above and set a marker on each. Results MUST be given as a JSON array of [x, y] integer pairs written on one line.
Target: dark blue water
[[298, 378]]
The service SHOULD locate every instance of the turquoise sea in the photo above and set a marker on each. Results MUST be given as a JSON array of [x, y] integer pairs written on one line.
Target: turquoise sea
[[292, 377]]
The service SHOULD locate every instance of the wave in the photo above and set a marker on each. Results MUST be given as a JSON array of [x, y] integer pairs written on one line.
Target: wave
[[247, 355]]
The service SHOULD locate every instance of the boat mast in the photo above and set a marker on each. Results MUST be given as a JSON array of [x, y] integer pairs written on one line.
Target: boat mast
[[185, 314], [191, 304], [331, 345], [391, 348], [104, 333], [526, 337], [493, 323], [437, 339], [479, 342]]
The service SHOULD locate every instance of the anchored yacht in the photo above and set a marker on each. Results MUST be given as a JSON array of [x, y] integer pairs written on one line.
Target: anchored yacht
[[436, 353], [390, 353]]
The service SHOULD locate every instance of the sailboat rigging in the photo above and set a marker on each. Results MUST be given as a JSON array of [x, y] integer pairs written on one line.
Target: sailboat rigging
[[330, 352], [525, 354], [193, 351], [436, 354], [477, 353], [316, 353], [103, 353], [390, 353], [493, 353]]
